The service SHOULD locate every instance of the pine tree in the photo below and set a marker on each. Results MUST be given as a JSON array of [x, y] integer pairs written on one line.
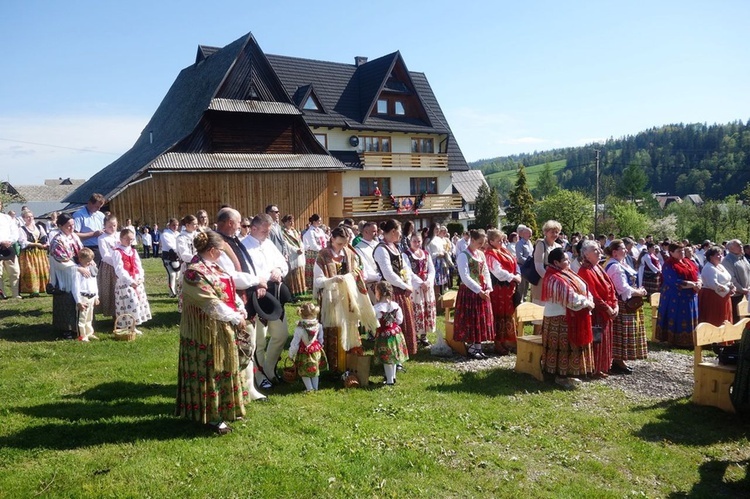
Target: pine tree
[[486, 211], [521, 209], [546, 185]]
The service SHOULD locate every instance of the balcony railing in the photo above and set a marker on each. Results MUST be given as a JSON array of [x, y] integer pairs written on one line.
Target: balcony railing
[[383, 205], [403, 160]]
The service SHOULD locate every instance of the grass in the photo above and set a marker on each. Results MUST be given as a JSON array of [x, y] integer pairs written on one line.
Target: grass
[[532, 173], [80, 420]]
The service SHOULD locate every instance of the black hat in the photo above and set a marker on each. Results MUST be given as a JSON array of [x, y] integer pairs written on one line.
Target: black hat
[[268, 307]]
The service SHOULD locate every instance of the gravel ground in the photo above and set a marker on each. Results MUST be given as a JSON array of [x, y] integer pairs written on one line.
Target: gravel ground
[[663, 376]]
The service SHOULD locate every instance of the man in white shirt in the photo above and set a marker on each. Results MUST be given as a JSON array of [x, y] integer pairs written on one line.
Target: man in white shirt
[[524, 250], [364, 249], [270, 266], [462, 243], [8, 237], [169, 256]]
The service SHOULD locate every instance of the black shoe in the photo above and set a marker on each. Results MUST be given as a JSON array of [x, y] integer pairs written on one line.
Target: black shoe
[[424, 342], [475, 355], [615, 369], [400, 368]]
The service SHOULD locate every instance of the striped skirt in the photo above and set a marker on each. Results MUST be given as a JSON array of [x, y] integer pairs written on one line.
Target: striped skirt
[[473, 321], [295, 281], [629, 335], [652, 282], [603, 350], [310, 257], [106, 280], [503, 309], [407, 327], [559, 357], [34, 267]]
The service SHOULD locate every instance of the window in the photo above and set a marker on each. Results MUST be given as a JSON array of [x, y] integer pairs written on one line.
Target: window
[[399, 108], [419, 185], [323, 139], [367, 186], [311, 105], [382, 106], [375, 144], [422, 145]]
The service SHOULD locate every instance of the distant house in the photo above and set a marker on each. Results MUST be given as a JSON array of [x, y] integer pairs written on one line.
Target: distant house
[[467, 184], [695, 199], [247, 129], [41, 199], [664, 199]]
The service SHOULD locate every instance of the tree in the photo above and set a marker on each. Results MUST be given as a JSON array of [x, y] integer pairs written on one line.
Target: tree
[[521, 209], [486, 211], [547, 183], [573, 209], [502, 185], [633, 183], [627, 220]]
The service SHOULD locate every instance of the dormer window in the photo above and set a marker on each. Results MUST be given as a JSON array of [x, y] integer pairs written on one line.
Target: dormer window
[[398, 108], [311, 105], [382, 106]]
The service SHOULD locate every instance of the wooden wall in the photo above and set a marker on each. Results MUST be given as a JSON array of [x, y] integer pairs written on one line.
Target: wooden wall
[[172, 194]]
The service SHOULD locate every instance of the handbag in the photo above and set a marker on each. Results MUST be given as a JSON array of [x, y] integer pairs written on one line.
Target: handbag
[[633, 304], [597, 333], [528, 269]]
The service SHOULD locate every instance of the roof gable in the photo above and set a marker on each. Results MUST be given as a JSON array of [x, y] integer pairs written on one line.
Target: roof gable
[[303, 95]]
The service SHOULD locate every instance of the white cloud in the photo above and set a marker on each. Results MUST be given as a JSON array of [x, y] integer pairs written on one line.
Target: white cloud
[[36, 147]]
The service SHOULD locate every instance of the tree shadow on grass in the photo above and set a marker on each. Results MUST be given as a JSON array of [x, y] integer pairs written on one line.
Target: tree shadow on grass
[[109, 413], [712, 481], [493, 383], [26, 333], [685, 423]]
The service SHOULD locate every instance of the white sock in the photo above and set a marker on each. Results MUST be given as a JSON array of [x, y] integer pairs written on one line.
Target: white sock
[[390, 372], [308, 383], [315, 381]]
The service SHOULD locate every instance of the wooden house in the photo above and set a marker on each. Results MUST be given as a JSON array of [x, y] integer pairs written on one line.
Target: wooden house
[[246, 129]]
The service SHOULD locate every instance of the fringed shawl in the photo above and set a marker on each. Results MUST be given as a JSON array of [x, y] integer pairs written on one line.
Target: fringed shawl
[[561, 287], [349, 265], [685, 269], [504, 257], [344, 306], [203, 291]]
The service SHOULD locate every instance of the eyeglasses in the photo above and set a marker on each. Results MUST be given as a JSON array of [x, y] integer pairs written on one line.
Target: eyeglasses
[[245, 226], [274, 211]]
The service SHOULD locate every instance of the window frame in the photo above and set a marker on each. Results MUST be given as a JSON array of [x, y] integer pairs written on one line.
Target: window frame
[[431, 184], [384, 183]]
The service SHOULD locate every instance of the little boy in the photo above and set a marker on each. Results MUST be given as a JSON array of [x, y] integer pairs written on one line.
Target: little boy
[[86, 294]]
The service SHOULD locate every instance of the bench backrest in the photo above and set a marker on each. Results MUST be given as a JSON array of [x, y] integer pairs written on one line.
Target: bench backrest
[[706, 334], [654, 300], [449, 299], [527, 312]]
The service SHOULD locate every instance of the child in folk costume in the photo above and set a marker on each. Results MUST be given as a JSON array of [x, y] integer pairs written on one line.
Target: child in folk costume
[[130, 295], [473, 321], [390, 344], [107, 279], [423, 296], [86, 295], [306, 349]]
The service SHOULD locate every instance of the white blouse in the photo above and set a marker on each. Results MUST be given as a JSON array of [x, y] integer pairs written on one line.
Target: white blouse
[[462, 262], [620, 273], [716, 278]]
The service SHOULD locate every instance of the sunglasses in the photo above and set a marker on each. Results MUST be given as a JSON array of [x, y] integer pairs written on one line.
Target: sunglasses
[[245, 226]]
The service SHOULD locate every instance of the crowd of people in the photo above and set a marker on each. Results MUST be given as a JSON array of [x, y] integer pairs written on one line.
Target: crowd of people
[[380, 281]]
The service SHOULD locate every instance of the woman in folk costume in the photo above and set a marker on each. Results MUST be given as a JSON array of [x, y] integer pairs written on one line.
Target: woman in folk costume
[[628, 331], [314, 240], [422, 281], [396, 270], [606, 309], [566, 327], [390, 345], [714, 298], [106, 279], [503, 269], [649, 270], [295, 279], [130, 294], [63, 251], [440, 259], [678, 305], [551, 230], [340, 289], [33, 261], [306, 349], [211, 387], [185, 249], [473, 320]]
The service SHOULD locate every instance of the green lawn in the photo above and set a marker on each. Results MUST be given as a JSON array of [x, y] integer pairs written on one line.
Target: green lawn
[[91, 420], [532, 173]]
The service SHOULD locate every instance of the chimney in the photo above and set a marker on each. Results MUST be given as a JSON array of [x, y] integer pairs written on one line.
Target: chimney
[[360, 60]]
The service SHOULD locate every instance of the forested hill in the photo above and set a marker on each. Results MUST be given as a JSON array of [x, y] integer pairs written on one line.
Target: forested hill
[[710, 160]]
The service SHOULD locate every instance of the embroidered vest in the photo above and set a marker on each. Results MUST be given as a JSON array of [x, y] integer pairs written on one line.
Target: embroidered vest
[[128, 262]]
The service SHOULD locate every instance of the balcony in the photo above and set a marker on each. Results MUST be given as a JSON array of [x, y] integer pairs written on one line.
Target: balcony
[[403, 160], [383, 206]]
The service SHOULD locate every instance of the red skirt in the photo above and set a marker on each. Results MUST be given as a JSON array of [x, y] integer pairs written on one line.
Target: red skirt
[[561, 357], [603, 349], [407, 328], [712, 308], [503, 309], [473, 321]]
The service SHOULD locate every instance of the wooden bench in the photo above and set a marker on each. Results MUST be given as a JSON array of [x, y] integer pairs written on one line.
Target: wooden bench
[[654, 300], [449, 303], [529, 348], [712, 380]]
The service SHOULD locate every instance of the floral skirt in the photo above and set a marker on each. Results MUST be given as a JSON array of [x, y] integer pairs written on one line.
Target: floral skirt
[[132, 301], [310, 257], [204, 394], [106, 280], [295, 281], [407, 327], [629, 335], [34, 267], [442, 271], [390, 347], [678, 317], [424, 310], [473, 321], [310, 365], [559, 356]]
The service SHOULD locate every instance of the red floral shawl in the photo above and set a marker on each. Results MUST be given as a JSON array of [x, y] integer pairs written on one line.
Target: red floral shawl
[[685, 269], [559, 286], [504, 257]]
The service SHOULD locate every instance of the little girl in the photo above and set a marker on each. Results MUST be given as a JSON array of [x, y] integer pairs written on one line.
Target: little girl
[[390, 344], [306, 349], [130, 295]]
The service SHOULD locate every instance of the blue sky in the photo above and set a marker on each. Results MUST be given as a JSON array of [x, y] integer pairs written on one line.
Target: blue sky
[[511, 77]]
